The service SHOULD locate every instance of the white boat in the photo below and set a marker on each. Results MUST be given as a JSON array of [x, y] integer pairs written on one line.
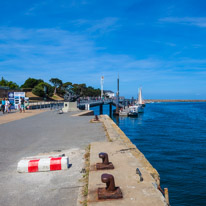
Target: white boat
[[133, 111], [123, 112], [139, 106]]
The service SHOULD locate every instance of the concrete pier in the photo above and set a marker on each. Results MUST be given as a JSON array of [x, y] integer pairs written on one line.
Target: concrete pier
[[135, 192], [48, 133], [126, 158], [45, 133]]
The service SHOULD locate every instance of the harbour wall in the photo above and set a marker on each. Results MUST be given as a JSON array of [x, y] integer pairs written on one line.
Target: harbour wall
[[127, 159], [115, 134]]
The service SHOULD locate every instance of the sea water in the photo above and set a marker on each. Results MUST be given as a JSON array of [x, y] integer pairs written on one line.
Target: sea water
[[172, 136]]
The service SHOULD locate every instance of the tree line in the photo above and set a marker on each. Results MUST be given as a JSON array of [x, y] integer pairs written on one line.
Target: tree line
[[56, 86]]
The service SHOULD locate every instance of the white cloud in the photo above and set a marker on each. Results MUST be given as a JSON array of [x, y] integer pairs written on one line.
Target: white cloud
[[101, 26], [35, 7], [104, 25], [195, 21], [47, 53]]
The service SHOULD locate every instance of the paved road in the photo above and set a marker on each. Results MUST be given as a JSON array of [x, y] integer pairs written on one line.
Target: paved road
[[44, 133]]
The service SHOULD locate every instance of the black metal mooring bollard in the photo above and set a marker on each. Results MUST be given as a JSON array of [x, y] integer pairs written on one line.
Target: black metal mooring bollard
[[111, 191], [104, 157], [109, 180], [96, 118], [105, 162]]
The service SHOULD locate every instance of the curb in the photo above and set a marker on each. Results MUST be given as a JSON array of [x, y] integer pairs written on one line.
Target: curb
[[84, 113], [43, 165]]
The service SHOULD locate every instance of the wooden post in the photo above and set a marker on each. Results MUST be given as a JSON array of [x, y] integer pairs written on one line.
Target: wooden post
[[110, 109], [100, 109]]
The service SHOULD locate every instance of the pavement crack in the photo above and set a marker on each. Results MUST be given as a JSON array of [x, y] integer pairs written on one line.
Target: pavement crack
[[124, 150], [73, 187]]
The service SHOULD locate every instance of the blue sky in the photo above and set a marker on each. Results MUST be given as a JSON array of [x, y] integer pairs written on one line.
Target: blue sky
[[159, 45]]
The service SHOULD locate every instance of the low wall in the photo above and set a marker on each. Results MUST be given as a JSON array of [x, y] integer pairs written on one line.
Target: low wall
[[84, 113]]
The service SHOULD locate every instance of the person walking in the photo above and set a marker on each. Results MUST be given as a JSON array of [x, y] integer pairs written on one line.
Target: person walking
[[3, 105], [7, 103], [22, 105], [27, 105]]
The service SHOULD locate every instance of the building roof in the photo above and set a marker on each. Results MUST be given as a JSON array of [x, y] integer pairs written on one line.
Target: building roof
[[4, 87], [108, 91]]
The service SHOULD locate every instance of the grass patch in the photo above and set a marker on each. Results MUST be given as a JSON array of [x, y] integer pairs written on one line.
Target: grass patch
[[85, 177], [54, 97]]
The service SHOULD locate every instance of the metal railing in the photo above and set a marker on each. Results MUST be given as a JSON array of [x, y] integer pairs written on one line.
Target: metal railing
[[44, 104]]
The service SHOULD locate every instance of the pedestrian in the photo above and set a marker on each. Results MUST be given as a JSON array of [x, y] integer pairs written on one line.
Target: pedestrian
[[7, 103], [3, 105], [27, 105], [22, 105], [10, 106]]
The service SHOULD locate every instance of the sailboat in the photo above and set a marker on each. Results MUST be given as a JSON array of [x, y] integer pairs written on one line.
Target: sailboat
[[138, 107], [140, 102]]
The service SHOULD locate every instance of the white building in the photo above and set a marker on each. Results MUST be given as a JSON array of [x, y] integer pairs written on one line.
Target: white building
[[109, 93]]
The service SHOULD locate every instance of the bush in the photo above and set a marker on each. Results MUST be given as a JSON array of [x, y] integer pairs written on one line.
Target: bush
[[39, 90], [31, 83]]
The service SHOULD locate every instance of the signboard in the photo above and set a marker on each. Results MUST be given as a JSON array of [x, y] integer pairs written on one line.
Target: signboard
[[11, 99], [17, 98]]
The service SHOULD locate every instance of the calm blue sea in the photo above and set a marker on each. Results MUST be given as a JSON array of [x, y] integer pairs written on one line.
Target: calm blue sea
[[172, 136]]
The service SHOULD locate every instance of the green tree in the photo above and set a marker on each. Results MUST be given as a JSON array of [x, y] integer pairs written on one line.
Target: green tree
[[79, 89], [56, 82], [91, 92], [31, 83], [3, 82], [83, 90], [67, 85], [39, 90], [10, 84], [76, 89]]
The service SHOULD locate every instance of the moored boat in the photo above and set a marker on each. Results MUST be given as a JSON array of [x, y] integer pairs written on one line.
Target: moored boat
[[133, 111], [123, 113]]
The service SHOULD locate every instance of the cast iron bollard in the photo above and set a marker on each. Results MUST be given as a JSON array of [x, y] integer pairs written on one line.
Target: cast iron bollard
[[111, 191], [105, 162], [96, 118]]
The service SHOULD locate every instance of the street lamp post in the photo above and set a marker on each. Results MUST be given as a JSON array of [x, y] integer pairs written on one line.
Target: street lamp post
[[102, 82], [117, 102]]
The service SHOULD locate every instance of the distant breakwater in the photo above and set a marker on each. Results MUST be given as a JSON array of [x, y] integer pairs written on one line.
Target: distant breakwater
[[173, 100]]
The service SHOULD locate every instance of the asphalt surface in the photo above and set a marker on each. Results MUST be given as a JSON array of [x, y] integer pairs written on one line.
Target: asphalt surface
[[46, 133]]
